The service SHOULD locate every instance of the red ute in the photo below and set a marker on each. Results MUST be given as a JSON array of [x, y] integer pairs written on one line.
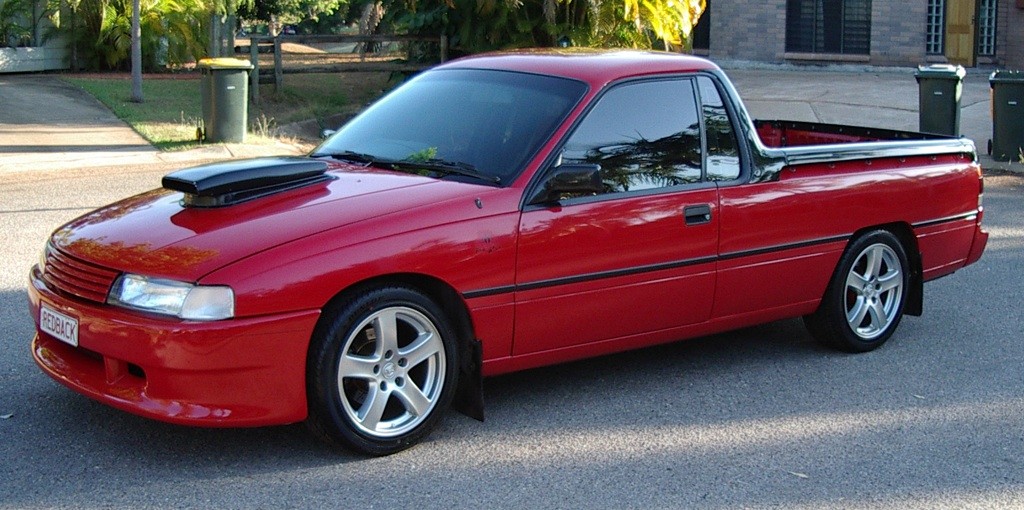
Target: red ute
[[494, 214]]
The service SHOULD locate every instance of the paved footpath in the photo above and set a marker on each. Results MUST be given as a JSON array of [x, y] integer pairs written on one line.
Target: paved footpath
[[48, 124]]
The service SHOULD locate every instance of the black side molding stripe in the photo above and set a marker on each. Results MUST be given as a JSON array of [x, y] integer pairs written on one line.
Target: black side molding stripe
[[783, 247], [493, 291], [958, 217], [613, 273], [554, 282], [682, 263], [637, 270]]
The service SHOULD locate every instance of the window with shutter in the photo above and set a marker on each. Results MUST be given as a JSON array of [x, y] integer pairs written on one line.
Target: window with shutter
[[828, 26]]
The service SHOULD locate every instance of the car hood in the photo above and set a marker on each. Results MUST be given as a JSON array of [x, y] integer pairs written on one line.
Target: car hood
[[154, 234]]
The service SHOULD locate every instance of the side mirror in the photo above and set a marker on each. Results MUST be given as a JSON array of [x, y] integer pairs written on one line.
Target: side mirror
[[327, 133], [568, 179]]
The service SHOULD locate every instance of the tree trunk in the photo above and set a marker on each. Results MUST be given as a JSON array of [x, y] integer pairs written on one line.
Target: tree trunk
[[229, 34], [71, 14], [136, 53], [215, 36]]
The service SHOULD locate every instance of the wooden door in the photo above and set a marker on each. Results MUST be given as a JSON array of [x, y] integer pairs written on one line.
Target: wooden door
[[960, 31]]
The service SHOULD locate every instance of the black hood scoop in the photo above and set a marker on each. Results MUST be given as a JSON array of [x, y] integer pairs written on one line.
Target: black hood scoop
[[232, 182]]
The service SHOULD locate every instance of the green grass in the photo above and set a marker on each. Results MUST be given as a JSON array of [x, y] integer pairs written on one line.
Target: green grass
[[169, 115], [172, 108], [319, 96], [303, 97]]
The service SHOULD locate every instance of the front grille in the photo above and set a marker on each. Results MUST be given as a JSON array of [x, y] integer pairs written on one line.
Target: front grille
[[72, 276]]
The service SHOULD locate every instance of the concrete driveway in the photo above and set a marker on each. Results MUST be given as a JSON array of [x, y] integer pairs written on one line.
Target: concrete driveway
[[881, 98]]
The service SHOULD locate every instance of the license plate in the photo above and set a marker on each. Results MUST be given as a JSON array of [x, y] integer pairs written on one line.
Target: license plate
[[62, 327]]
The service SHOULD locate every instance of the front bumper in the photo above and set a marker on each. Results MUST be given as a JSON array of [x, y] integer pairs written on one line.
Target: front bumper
[[232, 373]]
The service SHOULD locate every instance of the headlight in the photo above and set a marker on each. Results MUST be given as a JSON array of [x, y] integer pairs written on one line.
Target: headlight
[[168, 297]]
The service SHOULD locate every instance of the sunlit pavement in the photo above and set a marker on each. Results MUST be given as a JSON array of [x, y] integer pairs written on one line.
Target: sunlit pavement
[[47, 124]]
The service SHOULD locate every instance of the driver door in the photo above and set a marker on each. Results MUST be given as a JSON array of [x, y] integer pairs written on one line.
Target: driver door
[[637, 258]]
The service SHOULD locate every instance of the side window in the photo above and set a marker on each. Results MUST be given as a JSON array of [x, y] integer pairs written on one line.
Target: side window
[[644, 135], [723, 151]]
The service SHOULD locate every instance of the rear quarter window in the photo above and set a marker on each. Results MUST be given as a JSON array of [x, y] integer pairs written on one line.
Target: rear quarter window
[[723, 155]]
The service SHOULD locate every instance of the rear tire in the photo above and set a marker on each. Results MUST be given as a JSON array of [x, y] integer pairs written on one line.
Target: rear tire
[[864, 301], [381, 370]]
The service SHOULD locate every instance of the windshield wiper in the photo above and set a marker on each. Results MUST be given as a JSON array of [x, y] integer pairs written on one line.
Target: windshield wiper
[[430, 165], [351, 157], [446, 167]]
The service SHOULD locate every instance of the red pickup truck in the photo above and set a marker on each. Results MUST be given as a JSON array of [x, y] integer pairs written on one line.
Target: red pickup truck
[[494, 214]]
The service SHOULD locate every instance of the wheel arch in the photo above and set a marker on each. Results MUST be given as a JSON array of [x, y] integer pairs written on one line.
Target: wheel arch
[[914, 304], [830, 323], [468, 397]]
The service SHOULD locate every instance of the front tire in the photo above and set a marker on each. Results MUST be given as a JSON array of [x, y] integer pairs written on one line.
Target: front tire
[[864, 301], [382, 369]]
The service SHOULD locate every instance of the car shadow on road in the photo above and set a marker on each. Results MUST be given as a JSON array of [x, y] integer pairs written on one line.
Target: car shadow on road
[[653, 380], [72, 426]]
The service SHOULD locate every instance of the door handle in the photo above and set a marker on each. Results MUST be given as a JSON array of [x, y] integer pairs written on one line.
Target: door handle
[[697, 214]]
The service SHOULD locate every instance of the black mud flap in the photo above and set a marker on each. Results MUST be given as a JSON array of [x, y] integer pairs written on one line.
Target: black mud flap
[[469, 398], [914, 305]]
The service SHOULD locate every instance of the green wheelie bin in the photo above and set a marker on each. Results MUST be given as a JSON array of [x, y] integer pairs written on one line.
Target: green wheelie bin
[[939, 89], [1007, 143], [225, 94]]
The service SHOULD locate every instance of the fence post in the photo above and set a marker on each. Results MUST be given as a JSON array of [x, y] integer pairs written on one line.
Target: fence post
[[254, 78], [278, 71], [444, 48]]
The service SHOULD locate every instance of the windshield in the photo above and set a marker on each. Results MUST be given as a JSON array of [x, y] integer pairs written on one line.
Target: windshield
[[490, 121]]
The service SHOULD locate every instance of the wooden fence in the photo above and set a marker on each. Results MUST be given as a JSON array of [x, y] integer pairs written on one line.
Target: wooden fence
[[363, 64]]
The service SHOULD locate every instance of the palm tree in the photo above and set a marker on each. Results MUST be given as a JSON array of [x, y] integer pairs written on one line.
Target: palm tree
[[672, 21]]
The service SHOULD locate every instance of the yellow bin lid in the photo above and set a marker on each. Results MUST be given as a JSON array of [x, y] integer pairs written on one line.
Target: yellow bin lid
[[224, 63]]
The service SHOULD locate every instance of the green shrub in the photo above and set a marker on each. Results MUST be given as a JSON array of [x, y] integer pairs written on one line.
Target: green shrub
[[13, 16], [99, 32]]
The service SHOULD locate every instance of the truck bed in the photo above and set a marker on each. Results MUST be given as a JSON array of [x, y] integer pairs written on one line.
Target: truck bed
[[786, 133]]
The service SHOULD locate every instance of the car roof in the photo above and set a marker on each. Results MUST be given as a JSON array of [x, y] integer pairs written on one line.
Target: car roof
[[597, 67]]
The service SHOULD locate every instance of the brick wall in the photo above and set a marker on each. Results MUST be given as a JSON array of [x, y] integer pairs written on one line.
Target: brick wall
[[1010, 38], [898, 32], [744, 30]]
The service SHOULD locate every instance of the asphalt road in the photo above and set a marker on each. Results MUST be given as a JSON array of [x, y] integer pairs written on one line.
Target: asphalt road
[[758, 418]]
